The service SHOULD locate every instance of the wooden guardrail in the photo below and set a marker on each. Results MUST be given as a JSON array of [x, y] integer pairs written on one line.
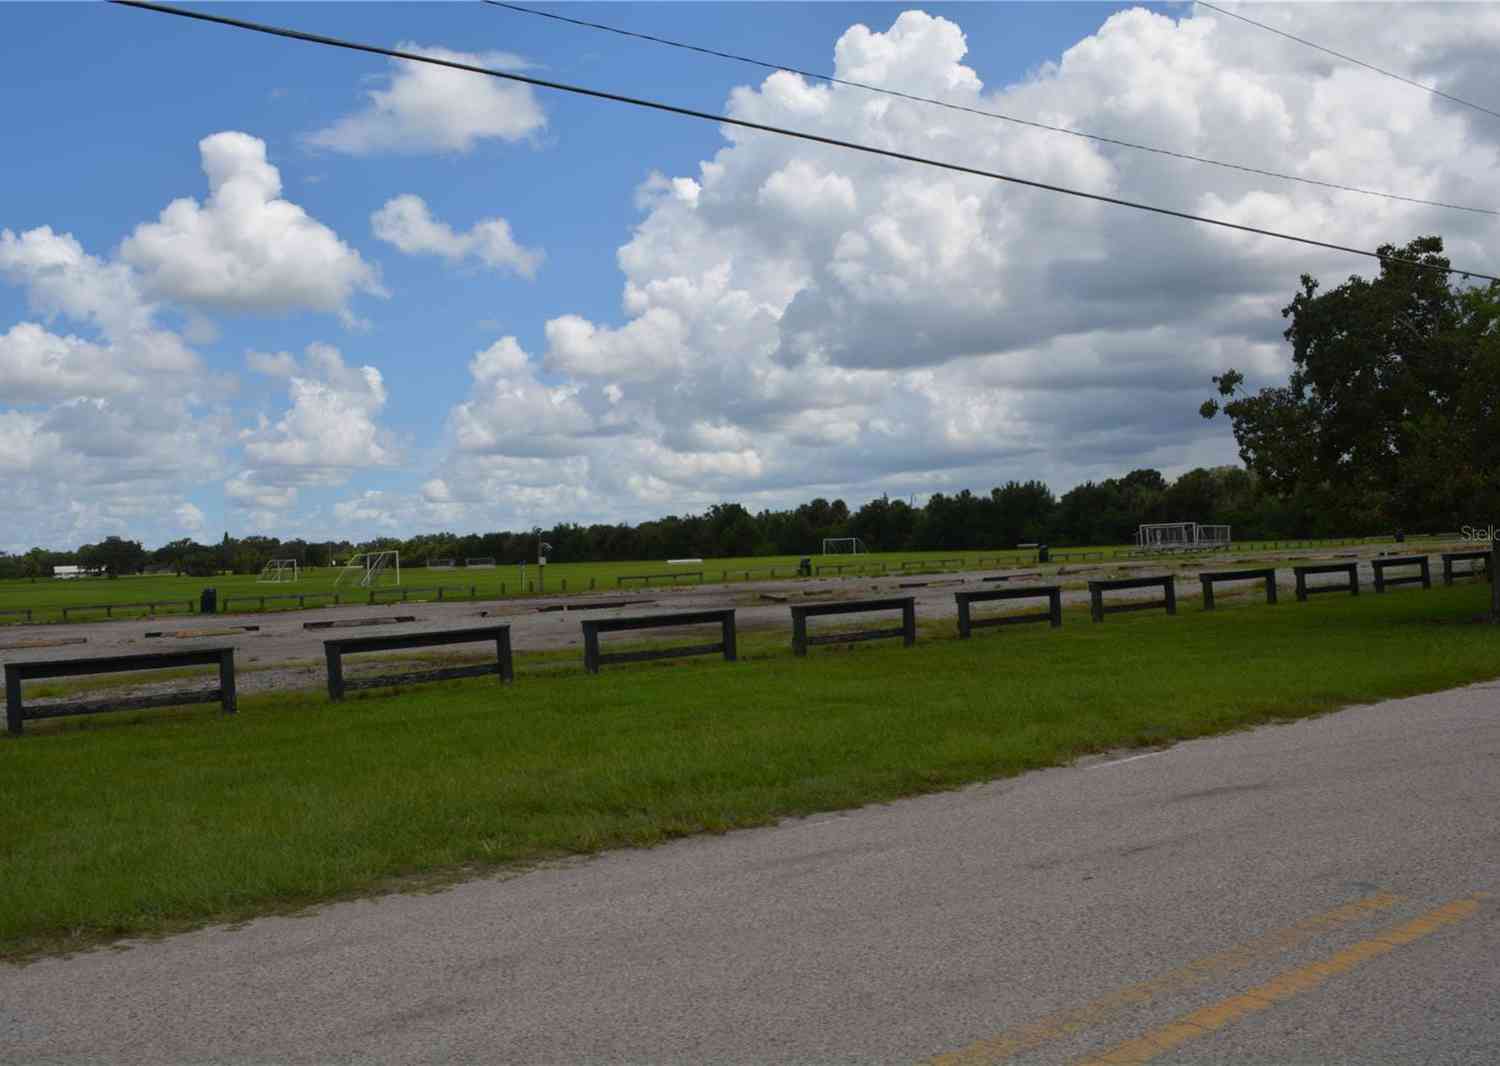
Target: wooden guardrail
[[967, 623], [1305, 590], [335, 650], [300, 597], [25, 611], [1208, 578], [933, 564], [1097, 589], [646, 579], [17, 713], [593, 658], [110, 608], [907, 630], [1449, 558], [377, 595], [1423, 576]]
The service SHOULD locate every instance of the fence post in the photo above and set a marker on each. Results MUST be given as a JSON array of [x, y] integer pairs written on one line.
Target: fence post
[[228, 698], [731, 644], [12, 701], [1208, 591], [502, 653], [1271, 587], [1054, 608], [1426, 574], [909, 623], [1096, 604], [799, 632], [335, 661], [1301, 587], [591, 647], [964, 631], [1171, 595], [1379, 575]]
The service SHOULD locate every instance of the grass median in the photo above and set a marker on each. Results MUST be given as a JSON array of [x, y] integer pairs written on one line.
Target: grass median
[[145, 823]]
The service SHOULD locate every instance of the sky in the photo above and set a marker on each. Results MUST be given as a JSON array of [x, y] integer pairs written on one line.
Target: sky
[[266, 287]]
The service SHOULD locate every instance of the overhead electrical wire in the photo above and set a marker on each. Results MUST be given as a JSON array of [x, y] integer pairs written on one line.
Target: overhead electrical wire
[[654, 105], [1034, 124], [1349, 59]]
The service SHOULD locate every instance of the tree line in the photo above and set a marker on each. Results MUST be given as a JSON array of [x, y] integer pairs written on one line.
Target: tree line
[[1103, 512]]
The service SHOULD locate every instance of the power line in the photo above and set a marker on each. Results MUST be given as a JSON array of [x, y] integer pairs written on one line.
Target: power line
[[1100, 138], [1350, 59], [854, 146]]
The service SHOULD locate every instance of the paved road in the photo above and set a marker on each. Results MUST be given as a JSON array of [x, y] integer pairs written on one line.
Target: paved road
[[1309, 893]]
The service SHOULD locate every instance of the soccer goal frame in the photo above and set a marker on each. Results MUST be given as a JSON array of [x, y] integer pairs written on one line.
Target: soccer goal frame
[[1215, 538], [844, 546], [484, 562], [1167, 536], [277, 571], [372, 569], [441, 564]]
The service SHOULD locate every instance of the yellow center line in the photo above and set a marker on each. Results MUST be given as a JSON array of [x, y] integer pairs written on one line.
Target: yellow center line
[[1066, 1022], [1212, 1018]]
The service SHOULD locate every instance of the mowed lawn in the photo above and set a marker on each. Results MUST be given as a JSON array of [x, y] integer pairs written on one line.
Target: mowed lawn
[[153, 821]]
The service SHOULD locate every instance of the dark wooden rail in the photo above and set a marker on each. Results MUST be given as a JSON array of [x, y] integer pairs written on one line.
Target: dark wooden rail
[[1449, 558], [646, 579], [377, 595], [110, 608], [593, 659], [1209, 578], [16, 713], [1424, 576], [25, 611], [1097, 589], [335, 650], [1305, 590], [907, 630], [285, 597], [967, 623], [933, 564]]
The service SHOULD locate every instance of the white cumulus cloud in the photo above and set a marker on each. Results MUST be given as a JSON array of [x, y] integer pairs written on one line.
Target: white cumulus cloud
[[406, 222], [426, 108]]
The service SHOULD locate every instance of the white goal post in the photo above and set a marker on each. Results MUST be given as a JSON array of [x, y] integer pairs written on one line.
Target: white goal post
[[1181, 536], [279, 570], [843, 546], [369, 569]]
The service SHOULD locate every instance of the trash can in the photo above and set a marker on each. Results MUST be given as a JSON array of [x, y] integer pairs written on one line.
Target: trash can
[[1043, 554], [804, 568], [208, 601], [1400, 537]]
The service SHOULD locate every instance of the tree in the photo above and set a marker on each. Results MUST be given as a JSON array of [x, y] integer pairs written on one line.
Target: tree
[[114, 555], [1390, 410]]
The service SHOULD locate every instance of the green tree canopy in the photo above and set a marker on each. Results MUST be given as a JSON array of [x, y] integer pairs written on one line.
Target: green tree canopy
[[1393, 403]]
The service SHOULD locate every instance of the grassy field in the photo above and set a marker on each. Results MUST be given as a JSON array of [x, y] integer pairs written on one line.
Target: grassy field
[[148, 822], [46, 597]]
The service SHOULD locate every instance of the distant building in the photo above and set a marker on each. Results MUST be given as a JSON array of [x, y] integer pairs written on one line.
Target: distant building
[[68, 572]]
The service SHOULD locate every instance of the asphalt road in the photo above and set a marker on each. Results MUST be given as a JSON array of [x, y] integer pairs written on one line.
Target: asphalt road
[[1308, 893]]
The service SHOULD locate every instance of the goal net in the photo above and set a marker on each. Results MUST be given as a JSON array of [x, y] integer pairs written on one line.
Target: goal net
[[440, 564], [484, 563], [1164, 536], [369, 569], [1213, 537], [843, 546], [279, 570]]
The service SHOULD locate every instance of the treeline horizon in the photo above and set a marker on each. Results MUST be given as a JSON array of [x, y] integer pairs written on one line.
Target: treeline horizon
[[1105, 513]]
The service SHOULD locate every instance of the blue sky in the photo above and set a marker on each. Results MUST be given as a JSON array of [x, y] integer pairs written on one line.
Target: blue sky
[[777, 344]]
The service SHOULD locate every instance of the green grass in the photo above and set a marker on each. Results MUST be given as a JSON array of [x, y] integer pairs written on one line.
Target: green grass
[[47, 595], [148, 822]]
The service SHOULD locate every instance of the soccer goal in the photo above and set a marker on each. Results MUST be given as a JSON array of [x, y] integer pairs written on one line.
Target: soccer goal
[[1167, 536], [369, 569], [484, 563], [843, 546], [1215, 538], [279, 570], [441, 564]]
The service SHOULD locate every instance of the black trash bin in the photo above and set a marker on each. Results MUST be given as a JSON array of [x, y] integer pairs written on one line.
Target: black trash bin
[[804, 568], [208, 601], [1043, 554], [1400, 537]]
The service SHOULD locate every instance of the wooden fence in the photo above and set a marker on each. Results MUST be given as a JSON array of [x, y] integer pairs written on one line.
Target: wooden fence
[[110, 608], [379, 595], [967, 623], [17, 713], [335, 650], [285, 597], [1304, 589], [1097, 589], [593, 659], [1423, 576], [646, 579], [1449, 558], [23, 611], [907, 630], [1209, 578]]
